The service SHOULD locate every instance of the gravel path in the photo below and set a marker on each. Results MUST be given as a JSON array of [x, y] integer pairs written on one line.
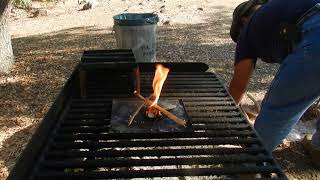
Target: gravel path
[[48, 48]]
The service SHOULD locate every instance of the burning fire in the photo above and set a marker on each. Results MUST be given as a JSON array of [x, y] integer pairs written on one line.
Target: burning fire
[[158, 81]]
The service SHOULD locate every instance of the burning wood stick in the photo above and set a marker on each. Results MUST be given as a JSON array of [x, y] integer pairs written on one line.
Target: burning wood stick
[[135, 114], [171, 116]]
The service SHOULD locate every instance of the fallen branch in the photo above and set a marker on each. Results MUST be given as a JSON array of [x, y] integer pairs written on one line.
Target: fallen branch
[[255, 102], [171, 116]]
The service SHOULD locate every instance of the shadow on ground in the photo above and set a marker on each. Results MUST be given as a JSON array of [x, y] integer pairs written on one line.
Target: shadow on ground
[[296, 163], [14, 146]]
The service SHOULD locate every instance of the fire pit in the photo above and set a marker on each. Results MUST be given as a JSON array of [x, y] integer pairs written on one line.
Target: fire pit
[[150, 115], [123, 109], [74, 141]]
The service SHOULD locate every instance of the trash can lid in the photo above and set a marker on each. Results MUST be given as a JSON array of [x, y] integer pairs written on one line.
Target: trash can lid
[[135, 19]]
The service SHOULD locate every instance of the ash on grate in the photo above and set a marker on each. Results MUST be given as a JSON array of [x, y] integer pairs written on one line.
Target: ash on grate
[[123, 109]]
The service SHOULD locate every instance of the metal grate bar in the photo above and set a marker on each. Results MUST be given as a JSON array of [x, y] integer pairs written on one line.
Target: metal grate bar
[[105, 128], [222, 141], [147, 87], [182, 83], [155, 143], [218, 120], [221, 126], [197, 114], [211, 108], [128, 162], [193, 100], [159, 173], [88, 110], [84, 129], [172, 74], [179, 90], [108, 96], [153, 152], [219, 133], [86, 123], [88, 116], [195, 94]]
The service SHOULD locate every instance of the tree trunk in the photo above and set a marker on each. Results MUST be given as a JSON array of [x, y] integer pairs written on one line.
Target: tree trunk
[[6, 53]]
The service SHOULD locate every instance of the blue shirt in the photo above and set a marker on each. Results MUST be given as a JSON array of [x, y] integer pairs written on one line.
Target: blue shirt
[[260, 38]]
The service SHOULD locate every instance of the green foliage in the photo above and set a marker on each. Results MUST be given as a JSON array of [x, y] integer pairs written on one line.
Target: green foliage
[[24, 4]]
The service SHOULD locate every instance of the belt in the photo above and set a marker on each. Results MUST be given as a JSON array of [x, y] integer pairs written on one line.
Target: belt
[[308, 14]]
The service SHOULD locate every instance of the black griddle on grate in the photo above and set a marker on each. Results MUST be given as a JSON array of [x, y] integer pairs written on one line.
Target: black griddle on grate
[[73, 142]]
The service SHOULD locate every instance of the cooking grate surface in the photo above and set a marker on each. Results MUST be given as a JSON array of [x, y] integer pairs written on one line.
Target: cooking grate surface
[[78, 145]]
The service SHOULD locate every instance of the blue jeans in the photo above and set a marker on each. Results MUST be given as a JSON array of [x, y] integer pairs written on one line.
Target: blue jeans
[[293, 90]]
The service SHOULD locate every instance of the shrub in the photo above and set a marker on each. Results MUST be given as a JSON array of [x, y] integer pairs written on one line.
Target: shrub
[[24, 4]]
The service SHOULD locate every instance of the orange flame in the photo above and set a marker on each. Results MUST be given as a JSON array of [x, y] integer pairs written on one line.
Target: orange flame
[[158, 81]]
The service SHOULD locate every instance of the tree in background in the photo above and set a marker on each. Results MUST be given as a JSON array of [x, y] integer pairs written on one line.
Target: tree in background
[[6, 53]]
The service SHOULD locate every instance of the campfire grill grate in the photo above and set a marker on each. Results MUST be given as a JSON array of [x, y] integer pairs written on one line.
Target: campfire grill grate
[[73, 141]]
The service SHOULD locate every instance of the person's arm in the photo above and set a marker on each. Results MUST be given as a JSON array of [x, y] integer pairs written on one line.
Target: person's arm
[[241, 76]]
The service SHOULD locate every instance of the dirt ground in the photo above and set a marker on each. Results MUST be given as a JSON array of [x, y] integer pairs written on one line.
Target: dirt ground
[[48, 47]]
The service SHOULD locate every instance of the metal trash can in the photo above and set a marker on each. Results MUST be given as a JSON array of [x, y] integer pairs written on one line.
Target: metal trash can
[[137, 31]]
